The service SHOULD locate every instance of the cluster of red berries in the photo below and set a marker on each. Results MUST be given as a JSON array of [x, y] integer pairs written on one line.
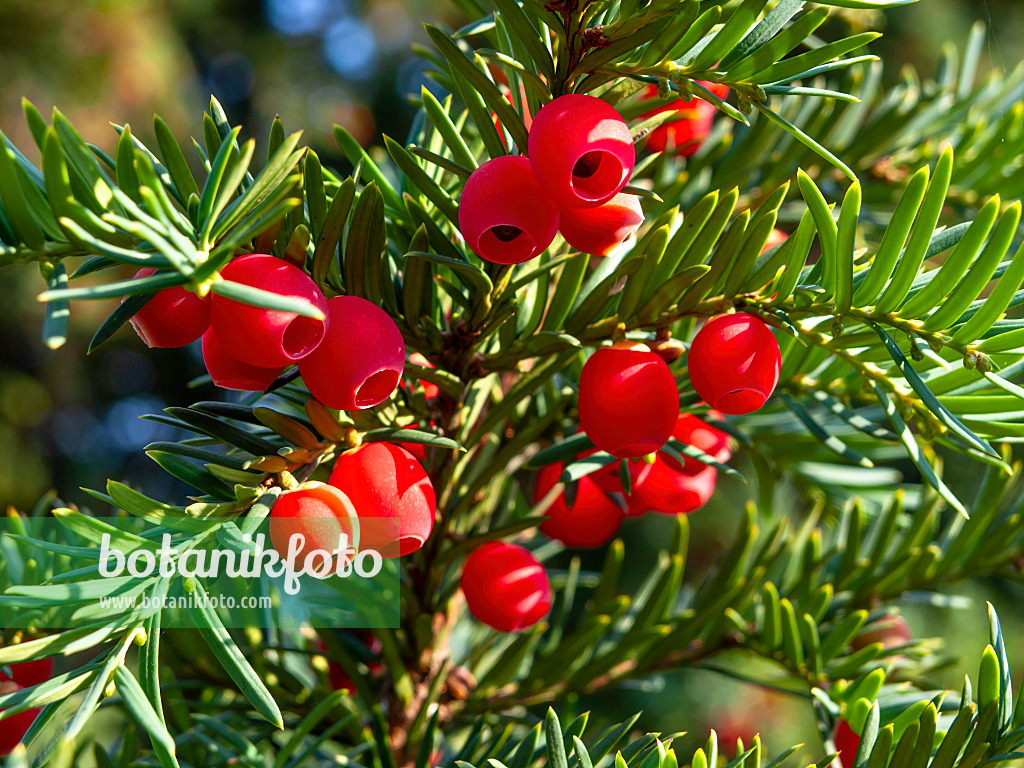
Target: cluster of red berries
[[504, 585], [628, 400], [629, 407], [508, 589], [23, 675], [350, 358], [686, 134], [665, 486], [580, 157], [377, 491]]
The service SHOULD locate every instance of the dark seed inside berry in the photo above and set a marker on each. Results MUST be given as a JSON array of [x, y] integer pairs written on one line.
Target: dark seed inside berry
[[587, 165], [506, 232]]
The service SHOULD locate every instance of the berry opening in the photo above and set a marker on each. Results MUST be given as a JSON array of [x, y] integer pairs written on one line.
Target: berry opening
[[597, 175], [587, 165], [376, 388], [506, 232], [302, 336], [740, 401], [501, 249], [409, 544]]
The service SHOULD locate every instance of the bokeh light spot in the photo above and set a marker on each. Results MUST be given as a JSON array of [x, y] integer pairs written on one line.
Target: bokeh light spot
[[298, 17], [350, 49]]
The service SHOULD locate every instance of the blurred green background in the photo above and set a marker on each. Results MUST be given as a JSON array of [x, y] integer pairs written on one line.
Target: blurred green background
[[68, 421]]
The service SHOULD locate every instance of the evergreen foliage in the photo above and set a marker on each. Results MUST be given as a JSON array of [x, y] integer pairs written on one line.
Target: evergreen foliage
[[891, 300]]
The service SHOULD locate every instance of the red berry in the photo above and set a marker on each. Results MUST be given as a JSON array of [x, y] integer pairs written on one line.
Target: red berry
[[504, 214], [229, 372], [339, 679], [581, 150], [598, 230], [173, 317], [391, 494], [671, 492], [505, 587], [268, 337], [29, 673], [847, 743], [687, 134], [673, 489], [734, 363], [635, 506], [591, 520], [14, 728], [628, 401], [607, 479], [692, 430], [321, 513], [360, 361]]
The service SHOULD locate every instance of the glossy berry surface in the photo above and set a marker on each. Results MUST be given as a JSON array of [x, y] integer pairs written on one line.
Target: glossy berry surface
[[505, 216], [268, 337], [671, 492], [693, 430], [599, 230], [581, 150], [592, 518], [360, 362], [685, 135], [392, 496], [505, 587], [672, 488], [229, 372], [734, 363], [320, 512], [173, 317], [607, 479], [628, 401]]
